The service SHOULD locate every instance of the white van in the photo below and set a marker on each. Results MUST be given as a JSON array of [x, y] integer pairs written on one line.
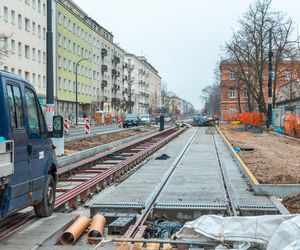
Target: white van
[[145, 119]]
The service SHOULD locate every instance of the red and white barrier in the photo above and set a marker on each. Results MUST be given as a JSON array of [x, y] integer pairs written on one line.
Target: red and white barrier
[[87, 126], [66, 127]]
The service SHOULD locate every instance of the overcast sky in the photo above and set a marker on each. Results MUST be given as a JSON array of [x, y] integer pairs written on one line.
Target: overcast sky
[[182, 39]]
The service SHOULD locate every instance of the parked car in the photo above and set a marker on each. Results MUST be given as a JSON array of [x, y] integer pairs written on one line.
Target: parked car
[[28, 162], [131, 120], [145, 119], [201, 121]]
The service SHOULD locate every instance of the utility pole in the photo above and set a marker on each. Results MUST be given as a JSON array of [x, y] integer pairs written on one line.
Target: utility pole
[[269, 120], [50, 106]]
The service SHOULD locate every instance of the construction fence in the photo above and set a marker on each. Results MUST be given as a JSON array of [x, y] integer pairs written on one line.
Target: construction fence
[[287, 123]]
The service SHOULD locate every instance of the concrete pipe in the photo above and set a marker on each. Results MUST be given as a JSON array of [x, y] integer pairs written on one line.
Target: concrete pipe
[[97, 227], [75, 230]]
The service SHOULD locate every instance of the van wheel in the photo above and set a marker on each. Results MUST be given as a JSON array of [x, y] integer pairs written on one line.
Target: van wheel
[[46, 206]]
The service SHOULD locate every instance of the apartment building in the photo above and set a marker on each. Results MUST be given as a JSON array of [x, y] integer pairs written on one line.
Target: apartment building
[[154, 81], [74, 60], [24, 23], [143, 83], [235, 95]]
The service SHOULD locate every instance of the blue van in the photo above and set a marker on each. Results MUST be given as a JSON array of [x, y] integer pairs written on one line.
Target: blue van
[[27, 157]]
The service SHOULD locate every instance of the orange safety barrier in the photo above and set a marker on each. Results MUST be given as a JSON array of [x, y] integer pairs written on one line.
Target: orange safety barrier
[[291, 125], [297, 127]]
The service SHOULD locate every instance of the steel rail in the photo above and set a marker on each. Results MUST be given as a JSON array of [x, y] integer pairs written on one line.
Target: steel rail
[[82, 191], [135, 230], [232, 201], [75, 165], [15, 221]]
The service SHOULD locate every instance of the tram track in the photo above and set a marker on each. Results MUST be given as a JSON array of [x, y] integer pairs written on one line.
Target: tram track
[[85, 179]]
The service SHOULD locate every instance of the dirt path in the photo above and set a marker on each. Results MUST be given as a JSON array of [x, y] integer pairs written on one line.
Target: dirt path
[[274, 159], [82, 144]]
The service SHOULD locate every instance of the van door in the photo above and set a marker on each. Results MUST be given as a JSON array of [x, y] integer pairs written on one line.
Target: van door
[[18, 133], [38, 151]]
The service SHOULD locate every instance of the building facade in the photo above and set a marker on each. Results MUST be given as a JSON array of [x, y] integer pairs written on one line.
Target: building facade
[[89, 68], [23, 24], [142, 83], [74, 60], [235, 95]]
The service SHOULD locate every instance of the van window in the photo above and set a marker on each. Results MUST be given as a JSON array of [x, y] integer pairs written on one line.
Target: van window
[[15, 106], [33, 115]]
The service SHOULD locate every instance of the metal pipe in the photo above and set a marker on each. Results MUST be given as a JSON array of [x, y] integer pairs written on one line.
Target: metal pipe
[[97, 227], [70, 236]]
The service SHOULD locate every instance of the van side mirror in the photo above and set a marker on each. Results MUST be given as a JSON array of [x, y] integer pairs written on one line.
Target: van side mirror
[[58, 126]]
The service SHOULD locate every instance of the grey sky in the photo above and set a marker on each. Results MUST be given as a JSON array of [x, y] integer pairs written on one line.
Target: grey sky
[[180, 38]]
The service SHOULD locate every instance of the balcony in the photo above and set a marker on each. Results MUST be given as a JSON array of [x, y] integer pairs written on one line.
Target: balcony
[[114, 72], [125, 78], [103, 52], [103, 68], [115, 59], [103, 83], [115, 100]]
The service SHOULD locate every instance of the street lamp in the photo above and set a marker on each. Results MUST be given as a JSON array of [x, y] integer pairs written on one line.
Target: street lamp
[[76, 88]]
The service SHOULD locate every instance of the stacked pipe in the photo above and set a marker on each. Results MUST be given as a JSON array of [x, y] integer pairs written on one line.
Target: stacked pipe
[[71, 235]]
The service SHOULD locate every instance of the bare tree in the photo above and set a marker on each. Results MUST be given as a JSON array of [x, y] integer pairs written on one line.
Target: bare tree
[[210, 95], [249, 46]]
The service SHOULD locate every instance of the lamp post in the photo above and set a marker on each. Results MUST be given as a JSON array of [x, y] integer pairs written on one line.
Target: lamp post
[[76, 88], [269, 120]]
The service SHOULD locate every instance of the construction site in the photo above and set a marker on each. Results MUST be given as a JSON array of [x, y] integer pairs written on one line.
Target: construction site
[[207, 187]]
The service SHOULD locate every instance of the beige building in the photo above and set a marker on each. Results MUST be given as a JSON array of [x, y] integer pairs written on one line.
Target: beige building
[[143, 82]]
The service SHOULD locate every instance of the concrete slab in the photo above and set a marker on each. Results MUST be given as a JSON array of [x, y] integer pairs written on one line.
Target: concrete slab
[[138, 187], [45, 231]]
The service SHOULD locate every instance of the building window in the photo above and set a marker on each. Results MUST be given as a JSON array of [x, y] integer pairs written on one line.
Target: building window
[[33, 79], [27, 51], [20, 72], [39, 56], [287, 75], [59, 39], [59, 17], [5, 13], [33, 4], [27, 2], [20, 21], [231, 93], [33, 54], [39, 6], [13, 17], [65, 22], [44, 82], [44, 57], [59, 61], [39, 30], [20, 49], [13, 46], [39, 80], [33, 28], [246, 93], [231, 76], [232, 110], [44, 33], [27, 24], [44, 9], [13, 70], [27, 76]]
